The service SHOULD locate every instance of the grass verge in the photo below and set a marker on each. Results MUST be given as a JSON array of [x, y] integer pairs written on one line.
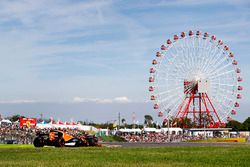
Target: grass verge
[[27, 155], [112, 138]]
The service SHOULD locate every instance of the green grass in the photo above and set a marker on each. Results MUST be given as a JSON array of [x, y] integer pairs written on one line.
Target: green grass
[[112, 138], [27, 155]]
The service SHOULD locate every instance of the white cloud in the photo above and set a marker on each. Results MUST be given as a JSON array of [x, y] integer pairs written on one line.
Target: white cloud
[[178, 3], [16, 101], [81, 99], [122, 99]]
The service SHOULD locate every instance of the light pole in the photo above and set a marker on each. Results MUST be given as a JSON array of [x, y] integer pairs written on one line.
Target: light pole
[[133, 119], [204, 124], [119, 120], [168, 124]]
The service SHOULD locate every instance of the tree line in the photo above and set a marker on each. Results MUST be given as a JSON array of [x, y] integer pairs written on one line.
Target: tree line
[[238, 126], [148, 122]]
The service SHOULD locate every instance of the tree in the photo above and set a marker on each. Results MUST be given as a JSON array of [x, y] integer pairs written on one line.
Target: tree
[[172, 122], [148, 120], [235, 125], [124, 122], [15, 118], [246, 124], [184, 122], [81, 122]]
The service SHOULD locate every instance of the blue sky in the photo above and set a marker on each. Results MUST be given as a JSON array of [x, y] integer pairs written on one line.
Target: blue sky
[[76, 53]]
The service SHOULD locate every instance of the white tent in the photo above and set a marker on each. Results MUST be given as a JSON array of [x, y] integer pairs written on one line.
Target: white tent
[[104, 131], [43, 126], [86, 128], [149, 129], [130, 130], [5, 121], [172, 130], [63, 126]]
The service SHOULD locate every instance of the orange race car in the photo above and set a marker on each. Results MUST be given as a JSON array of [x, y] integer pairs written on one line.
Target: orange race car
[[59, 138]]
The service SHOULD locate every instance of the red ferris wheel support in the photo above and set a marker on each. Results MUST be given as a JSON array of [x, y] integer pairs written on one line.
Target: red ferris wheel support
[[197, 106]]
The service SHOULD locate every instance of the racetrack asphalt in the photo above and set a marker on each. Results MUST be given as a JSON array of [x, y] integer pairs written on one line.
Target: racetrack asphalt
[[180, 144]]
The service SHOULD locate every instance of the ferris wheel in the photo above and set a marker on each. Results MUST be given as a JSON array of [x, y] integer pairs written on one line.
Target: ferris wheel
[[195, 76]]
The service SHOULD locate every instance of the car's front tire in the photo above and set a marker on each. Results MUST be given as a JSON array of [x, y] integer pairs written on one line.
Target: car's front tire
[[38, 142]]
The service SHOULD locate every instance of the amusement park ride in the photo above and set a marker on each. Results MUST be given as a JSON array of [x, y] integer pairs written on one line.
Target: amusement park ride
[[195, 76]]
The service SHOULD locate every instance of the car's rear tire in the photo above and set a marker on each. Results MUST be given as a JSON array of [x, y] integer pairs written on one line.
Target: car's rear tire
[[92, 142], [60, 142]]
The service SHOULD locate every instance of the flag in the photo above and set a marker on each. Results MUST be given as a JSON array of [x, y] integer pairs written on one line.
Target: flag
[[28, 122], [59, 122]]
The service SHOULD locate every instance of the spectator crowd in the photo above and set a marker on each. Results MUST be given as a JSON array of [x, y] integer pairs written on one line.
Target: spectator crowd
[[151, 137], [16, 134], [22, 135], [159, 137]]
